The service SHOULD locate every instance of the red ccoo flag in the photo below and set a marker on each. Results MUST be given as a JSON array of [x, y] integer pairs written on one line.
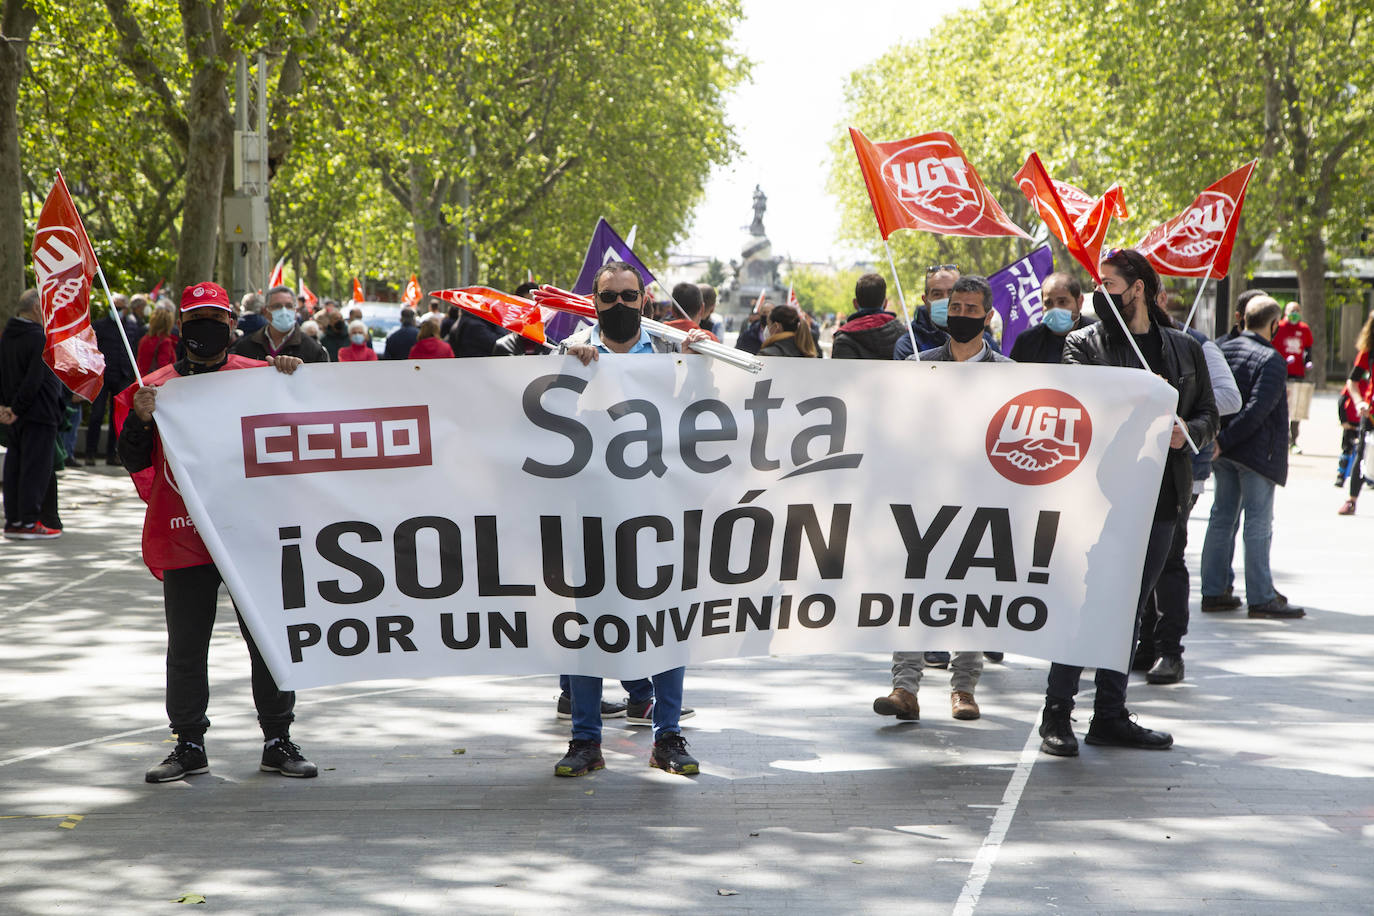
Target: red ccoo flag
[[275, 278], [357, 291], [1082, 228], [523, 316], [926, 182], [64, 262], [411, 298], [310, 298], [1197, 242]]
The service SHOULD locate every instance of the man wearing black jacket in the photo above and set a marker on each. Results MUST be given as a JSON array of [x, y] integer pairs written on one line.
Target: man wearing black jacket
[[281, 336], [871, 331], [1133, 286], [31, 409], [1062, 297], [119, 374]]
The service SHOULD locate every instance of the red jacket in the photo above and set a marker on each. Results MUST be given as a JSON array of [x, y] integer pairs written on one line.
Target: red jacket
[[170, 540], [431, 348], [156, 352], [357, 353]]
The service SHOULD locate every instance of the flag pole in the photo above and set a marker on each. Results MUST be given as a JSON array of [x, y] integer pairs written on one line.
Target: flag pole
[[910, 329], [1203, 285], [119, 323]]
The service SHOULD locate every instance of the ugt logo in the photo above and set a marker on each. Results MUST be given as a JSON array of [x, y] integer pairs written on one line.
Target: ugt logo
[[1193, 243], [931, 181], [1039, 437]]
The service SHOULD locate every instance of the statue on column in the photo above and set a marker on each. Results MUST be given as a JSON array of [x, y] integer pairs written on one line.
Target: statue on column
[[760, 205]]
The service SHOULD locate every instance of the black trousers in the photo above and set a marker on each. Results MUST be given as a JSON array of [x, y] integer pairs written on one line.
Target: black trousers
[[189, 597], [1164, 620], [1110, 699], [28, 473], [101, 407]]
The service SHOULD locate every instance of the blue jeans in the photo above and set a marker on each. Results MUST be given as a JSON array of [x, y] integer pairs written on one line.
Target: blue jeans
[[639, 691], [1239, 489], [585, 694]]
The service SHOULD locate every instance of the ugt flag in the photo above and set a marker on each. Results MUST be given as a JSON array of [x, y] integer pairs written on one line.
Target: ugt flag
[[607, 245], [1197, 242], [64, 263], [1016, 293], [1083, 234], [926, 182]]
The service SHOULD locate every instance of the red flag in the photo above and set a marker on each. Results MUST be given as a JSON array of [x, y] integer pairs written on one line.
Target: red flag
[[274, 279], [560, 300], [412, 296], [1082, 236], [926, 182], [357, 291], [792, 298], [157, 289], [64, 262], [310, 298], [523, 316], [1197, 242]]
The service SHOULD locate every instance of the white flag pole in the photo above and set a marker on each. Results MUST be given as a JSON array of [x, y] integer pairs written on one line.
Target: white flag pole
[[910, 330], [1205, 277], [119, 323]]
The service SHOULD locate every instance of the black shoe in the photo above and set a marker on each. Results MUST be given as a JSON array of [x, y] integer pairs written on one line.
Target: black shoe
[[1340, 481], [1277, 608], [186, 759], [937, 659], [643, 713], [281, 755], [670, 755], [608, 710], [1121, 730], [1226, 602], [583, 756], [1056, 728], [1168, 670], [90, 462], [994, 656], [1144, 658]]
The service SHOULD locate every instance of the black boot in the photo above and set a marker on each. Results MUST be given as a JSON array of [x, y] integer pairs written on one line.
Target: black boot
[[1056, 728], [1119, 729]]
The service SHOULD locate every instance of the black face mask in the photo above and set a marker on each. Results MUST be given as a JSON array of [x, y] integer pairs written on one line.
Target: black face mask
[[964, 328], [205, 337], [619, 323]]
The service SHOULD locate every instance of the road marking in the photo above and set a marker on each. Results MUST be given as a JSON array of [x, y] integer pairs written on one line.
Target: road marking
[[1001, 823], [72, 820], [62, 588]]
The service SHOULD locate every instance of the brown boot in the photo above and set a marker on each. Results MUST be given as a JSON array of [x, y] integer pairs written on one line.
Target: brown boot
[[900, 703], [963, 706]]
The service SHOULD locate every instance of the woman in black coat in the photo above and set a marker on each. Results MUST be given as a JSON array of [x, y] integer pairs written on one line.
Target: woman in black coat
[[787, 334]]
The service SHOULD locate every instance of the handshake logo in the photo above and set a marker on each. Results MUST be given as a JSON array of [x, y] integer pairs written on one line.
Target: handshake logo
[[1039, 437]]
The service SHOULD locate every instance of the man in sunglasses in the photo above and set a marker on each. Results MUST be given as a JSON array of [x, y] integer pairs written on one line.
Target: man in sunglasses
[[931, 318], [618, 292]]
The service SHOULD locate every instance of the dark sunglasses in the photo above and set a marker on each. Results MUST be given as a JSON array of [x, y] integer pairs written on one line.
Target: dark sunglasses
[[936, 268], [609, 296]]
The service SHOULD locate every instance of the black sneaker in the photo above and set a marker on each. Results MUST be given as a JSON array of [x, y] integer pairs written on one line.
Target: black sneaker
[[1056, 730], [1168, 670], [608, 710], [583, 756], [281, 755], [1276, 608], [1121, 730], [643, 713], [937, 659], [186, 759], [670, 755], [1226, 602]]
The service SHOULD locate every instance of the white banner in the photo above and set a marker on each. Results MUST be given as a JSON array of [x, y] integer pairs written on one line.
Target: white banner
[[522, 516]]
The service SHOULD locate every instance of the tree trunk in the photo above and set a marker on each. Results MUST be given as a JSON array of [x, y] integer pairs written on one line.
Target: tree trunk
[[1311, 269], [427, 218], [19, 20], [211, 127]]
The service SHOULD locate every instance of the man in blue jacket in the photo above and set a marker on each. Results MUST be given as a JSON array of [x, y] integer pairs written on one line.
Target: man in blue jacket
[[1251, 458]]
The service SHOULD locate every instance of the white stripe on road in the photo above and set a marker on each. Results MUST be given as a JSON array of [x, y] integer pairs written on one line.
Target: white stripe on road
[[62, 588], [1001, 823]]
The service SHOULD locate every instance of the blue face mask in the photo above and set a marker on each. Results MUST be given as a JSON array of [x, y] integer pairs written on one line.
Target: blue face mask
[[283, 319], [1060, 321], [359, 339], [939, 312]]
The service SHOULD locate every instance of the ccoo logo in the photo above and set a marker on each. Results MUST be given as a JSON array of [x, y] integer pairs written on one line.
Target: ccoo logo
[[1039, 437]]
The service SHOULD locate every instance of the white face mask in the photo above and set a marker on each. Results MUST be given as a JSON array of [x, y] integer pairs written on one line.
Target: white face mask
[[359, 339]]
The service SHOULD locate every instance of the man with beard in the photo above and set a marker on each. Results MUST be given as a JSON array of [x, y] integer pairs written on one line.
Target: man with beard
[[1133, 286], [618, 291]]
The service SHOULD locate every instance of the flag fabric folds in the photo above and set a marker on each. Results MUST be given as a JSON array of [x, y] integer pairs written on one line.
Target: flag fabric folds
[[523, 316], [411, 299], [64, 263], [926, 182], [311, 300], [275, 278], [605, 246], [1016, 293], [1197, 242], [1084, 235], [357, 291]]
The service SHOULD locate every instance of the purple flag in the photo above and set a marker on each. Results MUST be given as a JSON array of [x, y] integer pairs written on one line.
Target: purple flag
[[605, 246], [1016, 293]]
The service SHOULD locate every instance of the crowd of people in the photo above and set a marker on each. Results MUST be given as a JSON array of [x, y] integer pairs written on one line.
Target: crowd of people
[[1233, 404]]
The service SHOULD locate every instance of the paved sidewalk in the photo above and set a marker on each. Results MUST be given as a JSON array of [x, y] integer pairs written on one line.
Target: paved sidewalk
[[438, 795]]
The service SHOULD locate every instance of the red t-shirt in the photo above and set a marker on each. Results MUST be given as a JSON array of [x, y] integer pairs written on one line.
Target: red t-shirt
[[1365, 387], [170, 540], [1291, 339], [682, 324]]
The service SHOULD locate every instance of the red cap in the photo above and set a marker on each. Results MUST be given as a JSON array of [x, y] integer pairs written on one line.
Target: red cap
[[205, 294]]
